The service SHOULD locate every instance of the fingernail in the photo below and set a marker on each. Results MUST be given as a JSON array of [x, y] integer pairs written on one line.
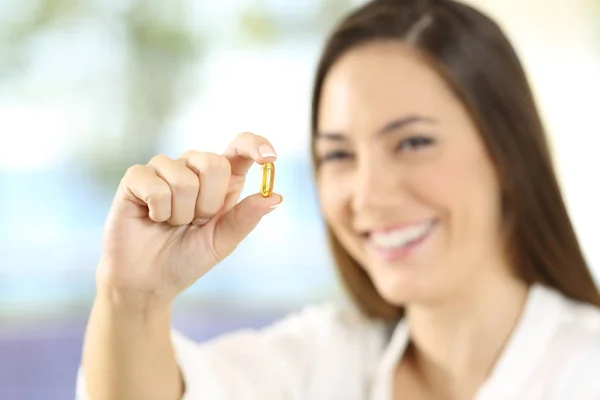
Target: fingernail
[[274, 206], [266, 151]]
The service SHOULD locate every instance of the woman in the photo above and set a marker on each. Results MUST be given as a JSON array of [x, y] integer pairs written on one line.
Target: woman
[[445, 218]]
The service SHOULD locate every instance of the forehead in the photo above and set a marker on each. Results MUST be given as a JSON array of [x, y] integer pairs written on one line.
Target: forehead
[[380, 81]]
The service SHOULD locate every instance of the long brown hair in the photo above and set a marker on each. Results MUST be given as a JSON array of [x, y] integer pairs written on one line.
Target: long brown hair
[[475, 58]]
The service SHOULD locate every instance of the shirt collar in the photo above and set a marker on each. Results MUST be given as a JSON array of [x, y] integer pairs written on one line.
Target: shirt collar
[[527, 343], [530, 339]]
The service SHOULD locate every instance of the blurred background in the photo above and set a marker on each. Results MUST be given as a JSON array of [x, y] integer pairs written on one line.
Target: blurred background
[[89, 87]]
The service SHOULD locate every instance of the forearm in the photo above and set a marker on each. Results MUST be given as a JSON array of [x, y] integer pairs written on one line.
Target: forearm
[[128, 354]]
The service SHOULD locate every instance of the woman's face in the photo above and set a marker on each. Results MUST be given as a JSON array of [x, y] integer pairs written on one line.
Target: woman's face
[[404, 179]]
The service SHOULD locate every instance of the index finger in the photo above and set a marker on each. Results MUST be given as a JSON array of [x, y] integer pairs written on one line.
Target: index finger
[[246, 149]]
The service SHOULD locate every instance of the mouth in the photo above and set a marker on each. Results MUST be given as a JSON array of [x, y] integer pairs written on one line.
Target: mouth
[[396, 243]]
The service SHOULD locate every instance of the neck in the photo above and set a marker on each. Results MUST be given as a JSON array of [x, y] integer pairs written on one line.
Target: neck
[[454, 346]]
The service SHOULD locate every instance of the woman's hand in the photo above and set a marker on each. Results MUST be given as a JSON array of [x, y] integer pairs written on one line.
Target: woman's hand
[[171, 221]]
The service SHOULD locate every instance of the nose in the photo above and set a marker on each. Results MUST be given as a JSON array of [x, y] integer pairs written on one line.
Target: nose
[[375, 185]]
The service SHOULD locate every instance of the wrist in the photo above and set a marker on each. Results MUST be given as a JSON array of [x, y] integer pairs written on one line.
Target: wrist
[[132, 305]]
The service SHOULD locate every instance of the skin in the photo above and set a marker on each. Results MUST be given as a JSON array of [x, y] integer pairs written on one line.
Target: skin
[[171, 221], [396, 149]]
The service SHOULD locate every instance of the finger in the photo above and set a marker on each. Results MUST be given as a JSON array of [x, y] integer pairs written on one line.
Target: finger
[[236, 224], [142, 186], [214, 172], [246, 149], [184, 184], [236, 186]]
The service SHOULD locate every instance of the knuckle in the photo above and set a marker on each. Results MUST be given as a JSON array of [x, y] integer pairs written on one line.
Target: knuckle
[[134, 175], [223, 165], [190, 154], [243, 136], [159, 159], [134, 170], [184, 183], [138, 168], [250, 138], [160, 192], [212, 162]]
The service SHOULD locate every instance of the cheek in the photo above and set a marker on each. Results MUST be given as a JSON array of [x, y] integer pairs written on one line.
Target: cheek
[[465, 188], [440, 183], [334, 195]]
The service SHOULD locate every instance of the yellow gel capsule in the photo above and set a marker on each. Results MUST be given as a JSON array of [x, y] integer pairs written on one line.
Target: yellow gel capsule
[[268, 179]]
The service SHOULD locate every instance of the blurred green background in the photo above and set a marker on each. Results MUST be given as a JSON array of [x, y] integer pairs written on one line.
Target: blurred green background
[[89, 87]]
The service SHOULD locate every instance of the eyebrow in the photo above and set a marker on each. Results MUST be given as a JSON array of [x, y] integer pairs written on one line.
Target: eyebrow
[[387, 128]]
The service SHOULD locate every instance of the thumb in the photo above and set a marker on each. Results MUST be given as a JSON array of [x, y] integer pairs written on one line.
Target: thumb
[[237, 223]]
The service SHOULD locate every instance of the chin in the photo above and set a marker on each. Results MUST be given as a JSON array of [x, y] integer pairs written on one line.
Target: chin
[[401, 292], [401, 284]]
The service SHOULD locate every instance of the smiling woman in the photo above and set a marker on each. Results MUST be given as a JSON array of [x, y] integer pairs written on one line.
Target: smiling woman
[[470, 143], [446, 221]]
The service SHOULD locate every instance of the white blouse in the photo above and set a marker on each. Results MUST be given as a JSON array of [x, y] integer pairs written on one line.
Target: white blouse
[[327, 352]]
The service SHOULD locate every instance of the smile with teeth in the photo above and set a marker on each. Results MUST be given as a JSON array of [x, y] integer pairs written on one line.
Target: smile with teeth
[[400, 238]]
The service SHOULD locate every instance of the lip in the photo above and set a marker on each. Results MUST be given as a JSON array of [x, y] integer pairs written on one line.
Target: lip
[[388, 228], [402, 254]]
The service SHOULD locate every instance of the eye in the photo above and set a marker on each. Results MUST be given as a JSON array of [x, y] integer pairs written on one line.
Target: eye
[[415, 143], [337, 155]]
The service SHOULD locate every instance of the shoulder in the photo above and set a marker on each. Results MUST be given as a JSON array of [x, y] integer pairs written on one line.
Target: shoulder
[[323, 345], [329, 317], [574, 354], [327, 327], [324, 324], [579, 320], [571, 318]]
